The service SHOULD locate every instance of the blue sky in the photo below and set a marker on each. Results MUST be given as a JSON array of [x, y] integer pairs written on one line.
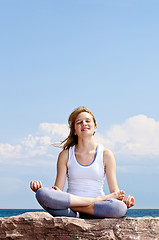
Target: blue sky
[[58, 55]]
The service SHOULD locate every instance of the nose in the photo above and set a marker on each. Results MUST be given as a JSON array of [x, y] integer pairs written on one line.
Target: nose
[[84, 123]]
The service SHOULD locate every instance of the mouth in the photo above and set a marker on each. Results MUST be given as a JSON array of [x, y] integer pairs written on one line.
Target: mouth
[[84, 129]]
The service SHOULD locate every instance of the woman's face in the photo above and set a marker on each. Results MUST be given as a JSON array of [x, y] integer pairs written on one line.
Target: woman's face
[[84, 125]]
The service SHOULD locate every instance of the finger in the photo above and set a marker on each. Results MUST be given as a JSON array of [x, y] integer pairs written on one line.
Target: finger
[[31, 184], [40, 184], [129, 203], [35, 185], [132, 201], [128, 200]]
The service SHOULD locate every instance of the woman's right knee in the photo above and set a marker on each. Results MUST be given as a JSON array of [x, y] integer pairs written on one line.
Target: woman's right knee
[[48, 197], [41, 194]]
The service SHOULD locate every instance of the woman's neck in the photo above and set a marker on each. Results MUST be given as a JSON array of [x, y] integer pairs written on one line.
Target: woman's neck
[[86, 145]]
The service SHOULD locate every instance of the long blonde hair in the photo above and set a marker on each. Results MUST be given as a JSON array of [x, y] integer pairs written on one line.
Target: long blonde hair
[[72, 139]]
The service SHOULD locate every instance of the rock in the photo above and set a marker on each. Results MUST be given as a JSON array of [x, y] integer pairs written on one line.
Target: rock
[[41, 225]]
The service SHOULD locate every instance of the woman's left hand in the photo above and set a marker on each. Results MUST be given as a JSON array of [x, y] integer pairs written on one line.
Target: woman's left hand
[[129, 201]]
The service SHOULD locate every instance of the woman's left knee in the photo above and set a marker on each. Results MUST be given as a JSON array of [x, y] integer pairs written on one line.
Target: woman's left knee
[[120, 209], [112, 208]]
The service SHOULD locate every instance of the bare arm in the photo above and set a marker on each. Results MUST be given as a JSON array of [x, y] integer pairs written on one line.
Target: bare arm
[[110, 169], [61, 173], [61, 170]]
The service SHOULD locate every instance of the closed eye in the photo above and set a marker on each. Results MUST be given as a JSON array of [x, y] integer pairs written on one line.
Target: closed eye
[[79, 122], [87, 121]]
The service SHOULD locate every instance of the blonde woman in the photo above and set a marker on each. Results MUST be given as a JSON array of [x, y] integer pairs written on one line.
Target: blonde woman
[[85, 164]]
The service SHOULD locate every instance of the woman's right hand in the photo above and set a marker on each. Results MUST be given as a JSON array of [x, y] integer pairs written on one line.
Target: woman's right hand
[[35, 185]]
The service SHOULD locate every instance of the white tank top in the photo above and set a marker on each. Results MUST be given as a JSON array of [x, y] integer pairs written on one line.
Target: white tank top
[[86, 181]]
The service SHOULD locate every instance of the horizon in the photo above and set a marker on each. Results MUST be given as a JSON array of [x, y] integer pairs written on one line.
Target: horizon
[[132, 208]]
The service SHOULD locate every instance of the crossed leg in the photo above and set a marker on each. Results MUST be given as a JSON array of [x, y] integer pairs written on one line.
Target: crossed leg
[[58, 202]]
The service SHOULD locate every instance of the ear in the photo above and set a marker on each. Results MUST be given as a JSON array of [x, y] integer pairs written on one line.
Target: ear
[[95, 129]]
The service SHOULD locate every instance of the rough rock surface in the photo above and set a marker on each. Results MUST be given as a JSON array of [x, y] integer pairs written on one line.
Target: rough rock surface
[[41, 225]]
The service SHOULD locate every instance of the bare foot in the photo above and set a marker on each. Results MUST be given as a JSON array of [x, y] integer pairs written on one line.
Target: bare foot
[[117, 195], [56, 188]]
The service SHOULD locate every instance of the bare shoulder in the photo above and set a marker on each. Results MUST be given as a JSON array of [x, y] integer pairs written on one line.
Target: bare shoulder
[[63, 153], [107, 153], [108, 156], [63, 156]]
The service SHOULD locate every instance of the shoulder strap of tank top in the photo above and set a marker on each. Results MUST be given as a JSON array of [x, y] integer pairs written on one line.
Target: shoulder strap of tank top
[[100, 153], [71, 153]]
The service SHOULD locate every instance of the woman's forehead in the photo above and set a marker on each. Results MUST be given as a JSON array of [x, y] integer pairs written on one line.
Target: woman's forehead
[[83, 115]]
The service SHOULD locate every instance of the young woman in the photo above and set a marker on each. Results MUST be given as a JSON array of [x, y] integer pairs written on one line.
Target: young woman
[[85, 164]]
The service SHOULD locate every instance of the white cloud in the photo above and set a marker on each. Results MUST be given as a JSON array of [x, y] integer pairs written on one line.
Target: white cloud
[[8, 150], [33, 146], [36, 149], [54, 129], [138, 135]]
